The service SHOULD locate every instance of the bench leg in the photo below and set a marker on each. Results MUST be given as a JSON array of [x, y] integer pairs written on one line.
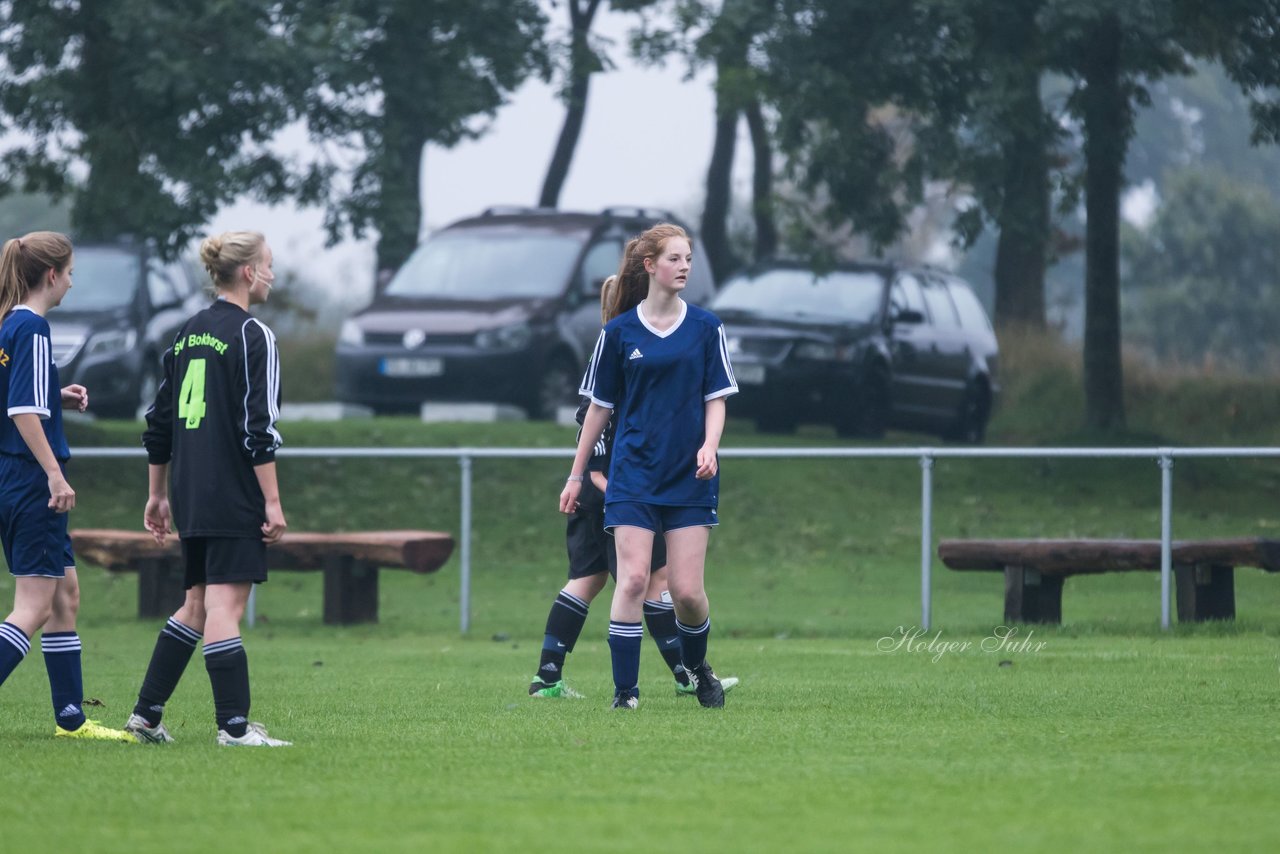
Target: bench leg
[[350, 591], [1205, 592], [1030, 597], [160, 587]]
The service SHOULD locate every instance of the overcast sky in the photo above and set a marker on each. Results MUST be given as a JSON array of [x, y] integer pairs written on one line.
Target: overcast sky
[[646, 141]]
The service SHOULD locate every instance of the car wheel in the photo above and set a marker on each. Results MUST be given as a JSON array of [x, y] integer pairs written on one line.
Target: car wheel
[[970, 425], [557, 387], [866, 414]]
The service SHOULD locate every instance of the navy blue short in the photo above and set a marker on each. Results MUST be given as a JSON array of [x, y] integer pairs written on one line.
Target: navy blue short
[[656, 517], [224, 560], [36, 542], [590, 547]]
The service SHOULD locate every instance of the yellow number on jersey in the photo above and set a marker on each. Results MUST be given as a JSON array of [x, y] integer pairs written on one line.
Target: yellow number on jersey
[[191, 405]]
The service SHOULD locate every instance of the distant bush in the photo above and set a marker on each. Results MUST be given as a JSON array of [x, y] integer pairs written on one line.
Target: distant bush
[[306, 365]]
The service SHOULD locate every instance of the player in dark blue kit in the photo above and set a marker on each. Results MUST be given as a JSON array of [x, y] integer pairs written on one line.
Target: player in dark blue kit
[[35, 274], [663, 365], [591, 554], [214, 420]]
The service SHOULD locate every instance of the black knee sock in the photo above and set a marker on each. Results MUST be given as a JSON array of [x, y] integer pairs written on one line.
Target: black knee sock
[[168, 662], [564, 624], [693, 643], [228, 668], [660, 620]]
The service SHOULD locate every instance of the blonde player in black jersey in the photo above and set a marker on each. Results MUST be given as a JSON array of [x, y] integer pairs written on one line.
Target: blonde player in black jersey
[[214, 423]]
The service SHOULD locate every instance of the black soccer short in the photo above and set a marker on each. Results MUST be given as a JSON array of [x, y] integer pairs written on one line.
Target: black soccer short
[[590, 547], [224, 560]]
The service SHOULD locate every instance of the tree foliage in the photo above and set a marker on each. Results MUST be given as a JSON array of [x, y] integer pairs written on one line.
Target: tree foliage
[[1200, 281], [390, 76], [148, 114]]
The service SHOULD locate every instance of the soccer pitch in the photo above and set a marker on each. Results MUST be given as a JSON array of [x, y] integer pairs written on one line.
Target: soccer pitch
[[411, 740], [1105, 734]]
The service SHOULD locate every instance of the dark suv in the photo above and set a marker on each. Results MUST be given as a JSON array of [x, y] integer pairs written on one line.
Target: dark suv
[[501, 307], [123, 309], [863, 347]]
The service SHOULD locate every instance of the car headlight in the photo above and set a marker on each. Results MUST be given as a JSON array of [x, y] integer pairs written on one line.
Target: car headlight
[[351, 334], [512, 337], [111, 342]]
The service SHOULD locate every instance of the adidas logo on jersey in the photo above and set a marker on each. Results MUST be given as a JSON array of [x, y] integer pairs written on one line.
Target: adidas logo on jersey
[[635, 354]]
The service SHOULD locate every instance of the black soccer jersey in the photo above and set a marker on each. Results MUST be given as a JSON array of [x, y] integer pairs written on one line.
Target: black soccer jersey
[[599, 460], [214, 419]]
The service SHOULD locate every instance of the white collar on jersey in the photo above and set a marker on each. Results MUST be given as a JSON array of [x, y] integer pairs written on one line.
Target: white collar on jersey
[[24, 307], [684, 308]]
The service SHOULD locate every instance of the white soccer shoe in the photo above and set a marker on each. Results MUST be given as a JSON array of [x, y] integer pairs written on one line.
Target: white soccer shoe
[[137, 727], [254, 736]]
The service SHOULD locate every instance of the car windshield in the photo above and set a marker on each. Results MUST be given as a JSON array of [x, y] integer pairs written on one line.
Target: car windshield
[[839, 295], [102, 277], [480, 263]]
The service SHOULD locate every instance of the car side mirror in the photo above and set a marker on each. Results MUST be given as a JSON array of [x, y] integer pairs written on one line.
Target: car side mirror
[[906, 315]]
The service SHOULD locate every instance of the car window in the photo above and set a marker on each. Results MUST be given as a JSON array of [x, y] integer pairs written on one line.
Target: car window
[[940, 307], [972, 315], [600, 262], [701, 288], [103, 277], [486, 263], [840, 295], [161, 287], [906, 295]]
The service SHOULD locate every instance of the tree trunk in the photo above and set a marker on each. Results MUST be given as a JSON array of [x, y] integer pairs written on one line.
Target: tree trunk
[[762, 182], [1024, 220], [399, 173], [1106, 122], [582, 64], [715, 212], [104, 208]]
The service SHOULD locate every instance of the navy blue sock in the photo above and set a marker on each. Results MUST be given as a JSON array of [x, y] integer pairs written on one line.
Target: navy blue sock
[[228, 668], [14, 646], [169, 659], [564, 624], [66, 682], [693, 642], [660, 620], [624, 649]]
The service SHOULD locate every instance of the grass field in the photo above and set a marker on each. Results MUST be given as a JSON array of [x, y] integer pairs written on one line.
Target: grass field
[[1104, 734]]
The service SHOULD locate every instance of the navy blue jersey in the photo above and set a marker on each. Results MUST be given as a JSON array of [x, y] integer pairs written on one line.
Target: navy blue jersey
[[29, 382], [215, 418], [658, 383]]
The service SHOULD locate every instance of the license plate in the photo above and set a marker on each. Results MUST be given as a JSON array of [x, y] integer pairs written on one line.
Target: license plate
[[404, 367], [749, 374]]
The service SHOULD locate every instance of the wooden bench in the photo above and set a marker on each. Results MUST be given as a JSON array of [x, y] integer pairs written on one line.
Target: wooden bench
[[1034, 570], [350, 563]]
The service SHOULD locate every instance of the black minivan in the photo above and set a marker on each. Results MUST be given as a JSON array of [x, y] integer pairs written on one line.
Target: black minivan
[[501, 307], [123, 309], [862, 347]]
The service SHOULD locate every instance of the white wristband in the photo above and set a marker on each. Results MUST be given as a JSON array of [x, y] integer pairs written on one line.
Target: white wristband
[[575, 478]]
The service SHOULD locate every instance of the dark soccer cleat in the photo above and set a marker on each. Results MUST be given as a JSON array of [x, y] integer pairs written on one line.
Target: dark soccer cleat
[[626, 700], [686, 688], [708, 688]]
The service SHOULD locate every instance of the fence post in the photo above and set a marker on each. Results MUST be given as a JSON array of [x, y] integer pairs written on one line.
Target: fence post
[[1166, 534], [464, 597], [926, 539]]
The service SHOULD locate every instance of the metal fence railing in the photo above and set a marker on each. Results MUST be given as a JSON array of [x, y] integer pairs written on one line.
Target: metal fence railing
[[926, 456]]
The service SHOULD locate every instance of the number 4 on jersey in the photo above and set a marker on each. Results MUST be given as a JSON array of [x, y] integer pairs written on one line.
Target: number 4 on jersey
[[191, 403]]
